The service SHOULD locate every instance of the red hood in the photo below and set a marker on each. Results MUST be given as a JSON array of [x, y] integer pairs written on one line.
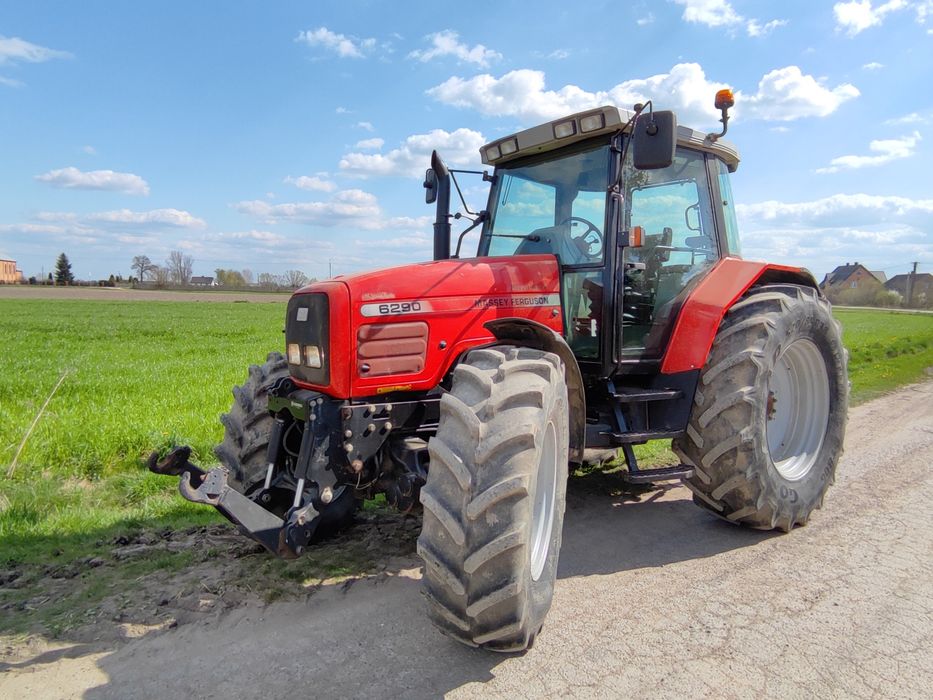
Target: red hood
[[455, 298]]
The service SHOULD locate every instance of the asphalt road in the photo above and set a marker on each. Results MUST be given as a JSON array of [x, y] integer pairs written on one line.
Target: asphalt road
[[654, 599]]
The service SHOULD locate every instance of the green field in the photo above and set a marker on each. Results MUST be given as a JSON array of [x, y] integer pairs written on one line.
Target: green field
[[140, 376]]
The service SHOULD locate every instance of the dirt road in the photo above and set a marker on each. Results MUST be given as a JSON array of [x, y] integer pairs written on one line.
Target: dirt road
[[654, 598]]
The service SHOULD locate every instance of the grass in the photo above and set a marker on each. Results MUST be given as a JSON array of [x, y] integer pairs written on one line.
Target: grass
[[887, 349], [146, 375], [141, 376]]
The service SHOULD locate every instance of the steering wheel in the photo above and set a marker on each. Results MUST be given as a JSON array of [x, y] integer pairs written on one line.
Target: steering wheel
[[590, 242]]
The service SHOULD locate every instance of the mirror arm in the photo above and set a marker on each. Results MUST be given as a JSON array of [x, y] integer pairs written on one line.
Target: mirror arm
[[480, 218]]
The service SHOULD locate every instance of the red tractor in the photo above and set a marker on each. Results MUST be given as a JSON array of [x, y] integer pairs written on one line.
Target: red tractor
[[607, 305]]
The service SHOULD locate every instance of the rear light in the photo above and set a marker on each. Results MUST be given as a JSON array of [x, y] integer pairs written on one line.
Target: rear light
[[294, 354]]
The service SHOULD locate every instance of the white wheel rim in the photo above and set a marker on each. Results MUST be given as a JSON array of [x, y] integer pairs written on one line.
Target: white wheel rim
[[797, 409], [542, 518]]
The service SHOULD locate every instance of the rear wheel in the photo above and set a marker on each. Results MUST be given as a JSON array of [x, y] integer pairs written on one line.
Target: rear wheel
[[247, 428], [494, 498], [768, 420]]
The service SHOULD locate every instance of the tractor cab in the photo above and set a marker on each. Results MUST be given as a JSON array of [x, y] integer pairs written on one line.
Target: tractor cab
[[635, 220]]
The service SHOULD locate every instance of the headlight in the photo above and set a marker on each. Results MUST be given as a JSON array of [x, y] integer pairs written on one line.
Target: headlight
[[313, 356], [294, 354]]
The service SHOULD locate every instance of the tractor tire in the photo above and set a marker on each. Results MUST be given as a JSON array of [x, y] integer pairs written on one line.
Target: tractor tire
[[495, 496], [246, 439], [768, 420]]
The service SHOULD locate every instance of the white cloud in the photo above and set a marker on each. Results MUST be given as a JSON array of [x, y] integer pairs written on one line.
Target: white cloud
[[857, 16], [342, 45], [11, 82], [885, 151], [366, 126], [126, 218], [646, 20], [755, 28], [783, 95], [370, 144], [352, 208], [73, 179], [720, 13], [447, 43], [559, 54], [874, 65], [786, 94], [881, 231], [912, 118], [460, 147], [16, 50], [342, 110], [317, 182], [89, 150]]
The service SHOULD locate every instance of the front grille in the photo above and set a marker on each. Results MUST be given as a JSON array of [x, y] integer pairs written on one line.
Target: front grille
[[391, 348], [307, 322]]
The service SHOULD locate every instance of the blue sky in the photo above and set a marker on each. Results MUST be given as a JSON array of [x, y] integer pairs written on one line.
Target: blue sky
[[293, 135]]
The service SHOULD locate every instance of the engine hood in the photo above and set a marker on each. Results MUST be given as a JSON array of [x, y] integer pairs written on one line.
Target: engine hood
[[440, 306]]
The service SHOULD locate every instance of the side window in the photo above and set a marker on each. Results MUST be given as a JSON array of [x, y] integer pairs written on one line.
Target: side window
[[728, 208], [523, 206]]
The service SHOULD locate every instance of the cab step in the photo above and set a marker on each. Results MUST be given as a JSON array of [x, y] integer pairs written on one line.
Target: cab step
[[647, 476], [634, 395]]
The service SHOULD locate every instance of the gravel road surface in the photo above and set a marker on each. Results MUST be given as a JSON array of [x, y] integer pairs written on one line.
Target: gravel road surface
[[654, 599]]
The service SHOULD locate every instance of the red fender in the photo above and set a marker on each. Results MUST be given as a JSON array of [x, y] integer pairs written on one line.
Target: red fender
[[699, 318]]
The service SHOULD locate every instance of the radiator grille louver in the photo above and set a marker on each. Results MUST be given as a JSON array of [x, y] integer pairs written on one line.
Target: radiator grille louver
[[391, 348]]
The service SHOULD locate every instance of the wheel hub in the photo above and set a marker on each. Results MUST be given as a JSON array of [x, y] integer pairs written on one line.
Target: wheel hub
[[542, 519], [797, 409]]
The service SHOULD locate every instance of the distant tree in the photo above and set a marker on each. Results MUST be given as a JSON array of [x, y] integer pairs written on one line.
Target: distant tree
[[229, 278], [179, 267], [50, 281], [161, 276], [142, 264], [247, 276], [267, 280], [63, 273], [33, 280], [295, 279]]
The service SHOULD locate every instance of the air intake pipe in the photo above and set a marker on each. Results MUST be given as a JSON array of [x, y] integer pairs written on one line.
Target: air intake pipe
[[437, 186]]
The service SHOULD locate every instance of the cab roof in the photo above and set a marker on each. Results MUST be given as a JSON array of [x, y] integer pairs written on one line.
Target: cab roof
[[585, 125]]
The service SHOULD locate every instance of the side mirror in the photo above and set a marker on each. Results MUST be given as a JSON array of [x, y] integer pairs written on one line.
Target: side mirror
[[430, 186], [654, 140]]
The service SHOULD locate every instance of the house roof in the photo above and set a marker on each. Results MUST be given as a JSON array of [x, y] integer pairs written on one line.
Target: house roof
[[900, 281], [879, 275], [841, 273]]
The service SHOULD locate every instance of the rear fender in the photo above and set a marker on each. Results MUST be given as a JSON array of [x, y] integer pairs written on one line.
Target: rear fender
[[530, 334], [699, 318]]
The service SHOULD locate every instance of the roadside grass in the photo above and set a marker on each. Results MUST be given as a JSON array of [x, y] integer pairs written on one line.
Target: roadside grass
[[147, 375], [887, 349]]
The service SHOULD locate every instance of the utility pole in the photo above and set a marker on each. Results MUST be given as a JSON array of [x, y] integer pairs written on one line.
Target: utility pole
[[910, 286], [330, 269]]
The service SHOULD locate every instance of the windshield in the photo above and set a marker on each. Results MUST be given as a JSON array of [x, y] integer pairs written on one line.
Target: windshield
[[553, 206]]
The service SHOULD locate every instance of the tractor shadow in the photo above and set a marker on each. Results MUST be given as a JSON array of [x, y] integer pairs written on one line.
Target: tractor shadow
[[371, 637]]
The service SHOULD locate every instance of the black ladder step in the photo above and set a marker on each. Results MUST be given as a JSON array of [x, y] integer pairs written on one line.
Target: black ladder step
[[646, 476], [628, 438], [631, 394]]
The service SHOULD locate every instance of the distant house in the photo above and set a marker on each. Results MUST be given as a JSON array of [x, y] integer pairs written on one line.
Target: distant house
[[9, 274], [923, 287], [202, 281], [851, 276]]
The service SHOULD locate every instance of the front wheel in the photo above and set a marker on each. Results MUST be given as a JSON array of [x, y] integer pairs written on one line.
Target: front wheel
[[494, 498], [769, 415]]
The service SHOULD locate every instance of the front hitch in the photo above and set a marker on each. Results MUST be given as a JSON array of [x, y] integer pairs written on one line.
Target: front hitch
[[211, 488]]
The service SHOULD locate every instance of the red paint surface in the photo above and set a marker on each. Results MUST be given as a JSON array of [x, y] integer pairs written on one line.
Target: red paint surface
[[701, 314], [452, 288]]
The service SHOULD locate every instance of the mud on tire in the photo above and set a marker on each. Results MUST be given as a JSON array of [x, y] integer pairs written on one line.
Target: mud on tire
[[495, 497], [246, 438], [777, 364]]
